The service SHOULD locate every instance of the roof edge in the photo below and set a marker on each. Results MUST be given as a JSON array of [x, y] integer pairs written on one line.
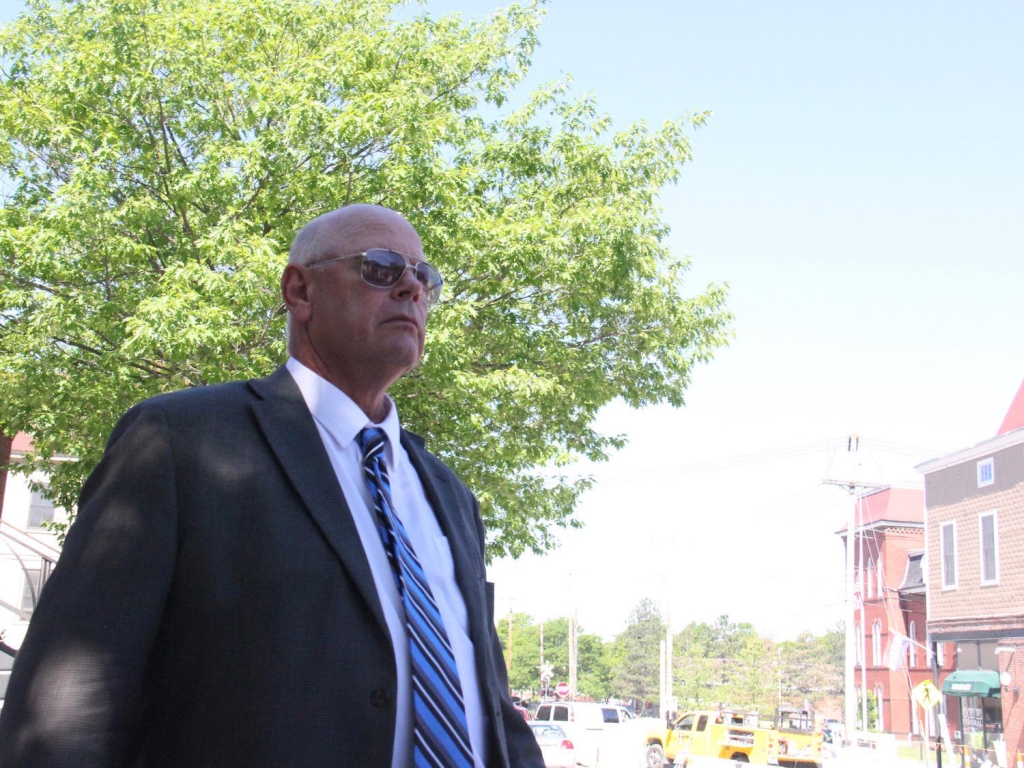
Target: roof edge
[[975, 452]]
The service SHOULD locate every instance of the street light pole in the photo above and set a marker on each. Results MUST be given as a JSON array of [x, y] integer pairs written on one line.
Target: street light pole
[[510, 651]]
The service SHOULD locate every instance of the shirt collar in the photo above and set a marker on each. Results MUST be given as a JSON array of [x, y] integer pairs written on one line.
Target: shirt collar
[[337, 412]]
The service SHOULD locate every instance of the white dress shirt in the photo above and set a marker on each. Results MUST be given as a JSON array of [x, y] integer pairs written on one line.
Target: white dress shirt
[[339, 420]]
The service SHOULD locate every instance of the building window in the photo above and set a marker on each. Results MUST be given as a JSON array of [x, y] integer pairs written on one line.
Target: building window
[[40, 510], [876, 644], [880, 708], [859, 642], [986, 472], [30, 590], [940, 654], [947, 533], [987, 544], [913, 643], [871, 577], [881, 578]]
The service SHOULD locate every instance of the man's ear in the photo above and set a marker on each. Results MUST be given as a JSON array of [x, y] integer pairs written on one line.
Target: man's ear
[[295, 291]]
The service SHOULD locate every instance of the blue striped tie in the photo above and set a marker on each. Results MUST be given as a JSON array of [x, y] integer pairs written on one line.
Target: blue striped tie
[[441, 738]]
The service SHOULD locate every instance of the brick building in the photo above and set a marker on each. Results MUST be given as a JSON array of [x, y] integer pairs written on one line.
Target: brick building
[[974, 537], [888, 551]]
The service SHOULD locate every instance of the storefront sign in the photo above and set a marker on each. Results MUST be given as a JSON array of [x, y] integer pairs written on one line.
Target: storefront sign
[[974, 719]]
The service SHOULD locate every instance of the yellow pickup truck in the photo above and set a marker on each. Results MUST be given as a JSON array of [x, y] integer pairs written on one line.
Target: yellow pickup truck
[[799, 737], [730, 735]]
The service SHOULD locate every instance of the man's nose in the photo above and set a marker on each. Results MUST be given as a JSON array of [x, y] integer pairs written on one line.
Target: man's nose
[[409, 283]]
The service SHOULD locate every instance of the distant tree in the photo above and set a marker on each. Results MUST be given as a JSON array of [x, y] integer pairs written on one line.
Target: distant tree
[[834, 643], [592, 670], [156, 159], [754, 678], [694, 668], [811, 669], [522, 674], [593, 675], [728, 639], [638, 654]]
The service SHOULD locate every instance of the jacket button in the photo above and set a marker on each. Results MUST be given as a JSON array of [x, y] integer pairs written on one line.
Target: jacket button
[[380, 698]]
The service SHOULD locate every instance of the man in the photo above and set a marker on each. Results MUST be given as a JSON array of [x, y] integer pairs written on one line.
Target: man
[[272, 573]]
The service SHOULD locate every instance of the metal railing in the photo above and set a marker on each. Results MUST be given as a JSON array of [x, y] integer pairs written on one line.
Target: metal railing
[[36, 559]]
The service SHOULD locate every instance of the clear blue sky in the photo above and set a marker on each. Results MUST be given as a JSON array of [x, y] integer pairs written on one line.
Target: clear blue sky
[[860, 186]]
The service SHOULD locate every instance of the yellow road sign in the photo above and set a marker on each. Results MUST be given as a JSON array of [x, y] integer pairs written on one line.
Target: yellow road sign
[[926, 694]]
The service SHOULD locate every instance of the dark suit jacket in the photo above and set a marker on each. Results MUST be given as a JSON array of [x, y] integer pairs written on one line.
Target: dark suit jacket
[[213, 605]]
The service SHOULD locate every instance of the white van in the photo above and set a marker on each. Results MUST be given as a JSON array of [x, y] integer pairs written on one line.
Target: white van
[[584, 722]]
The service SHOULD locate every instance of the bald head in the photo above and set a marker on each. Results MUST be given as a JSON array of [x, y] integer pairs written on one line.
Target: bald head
[[330, 233], [353, 331]]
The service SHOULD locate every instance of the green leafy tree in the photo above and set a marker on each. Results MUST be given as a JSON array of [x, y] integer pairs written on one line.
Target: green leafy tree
[[522, 672], [157, 158], [593, 675], [638, 654], [812, 667], [728, 639], [694, 668], [592, 670], [754, 683]]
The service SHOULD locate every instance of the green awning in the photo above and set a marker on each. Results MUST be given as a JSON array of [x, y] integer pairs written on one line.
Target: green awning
[[972, 682]]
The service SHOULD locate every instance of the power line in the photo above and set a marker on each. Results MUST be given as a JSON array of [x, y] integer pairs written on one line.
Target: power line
[[728, 462]]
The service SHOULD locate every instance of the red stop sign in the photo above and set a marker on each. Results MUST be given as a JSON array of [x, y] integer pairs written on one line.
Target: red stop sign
[[562, 689]]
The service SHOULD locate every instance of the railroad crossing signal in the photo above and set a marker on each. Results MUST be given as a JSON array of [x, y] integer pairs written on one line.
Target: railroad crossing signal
[[926, 694]]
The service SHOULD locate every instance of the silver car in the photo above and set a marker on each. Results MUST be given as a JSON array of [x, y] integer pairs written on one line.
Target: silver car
[[556, 747]]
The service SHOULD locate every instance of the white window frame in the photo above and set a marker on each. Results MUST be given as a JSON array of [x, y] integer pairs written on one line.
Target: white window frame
[[990, 463], [995, 547], [871, 577], [858, 660], [880, 706], [947, 583], [913, 643], [30, 594], [42, 507], [876, 643], [940, 654]]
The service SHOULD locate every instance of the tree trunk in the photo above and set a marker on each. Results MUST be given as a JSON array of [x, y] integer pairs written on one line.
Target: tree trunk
[[5, 459]]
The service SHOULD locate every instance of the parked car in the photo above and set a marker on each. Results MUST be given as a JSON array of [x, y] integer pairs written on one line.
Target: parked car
[[585, 723], [556, 747], [524, 712], [594, 715]]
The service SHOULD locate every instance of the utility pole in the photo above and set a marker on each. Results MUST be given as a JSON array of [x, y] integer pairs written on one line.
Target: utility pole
[[669, 693], [572, 655], [543, 682], [849, 479], [510, 651], [662, 693], [779, 649]]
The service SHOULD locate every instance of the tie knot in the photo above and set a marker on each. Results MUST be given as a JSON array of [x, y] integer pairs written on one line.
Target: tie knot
[[371, 441]]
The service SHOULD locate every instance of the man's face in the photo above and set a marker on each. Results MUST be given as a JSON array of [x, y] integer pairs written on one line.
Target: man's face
[[360, 332]]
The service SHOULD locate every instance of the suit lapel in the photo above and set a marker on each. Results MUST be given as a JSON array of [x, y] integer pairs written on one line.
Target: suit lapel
[[293, 437]]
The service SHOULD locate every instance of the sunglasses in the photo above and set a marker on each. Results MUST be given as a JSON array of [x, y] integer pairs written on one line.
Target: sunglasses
[[382, 268]]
